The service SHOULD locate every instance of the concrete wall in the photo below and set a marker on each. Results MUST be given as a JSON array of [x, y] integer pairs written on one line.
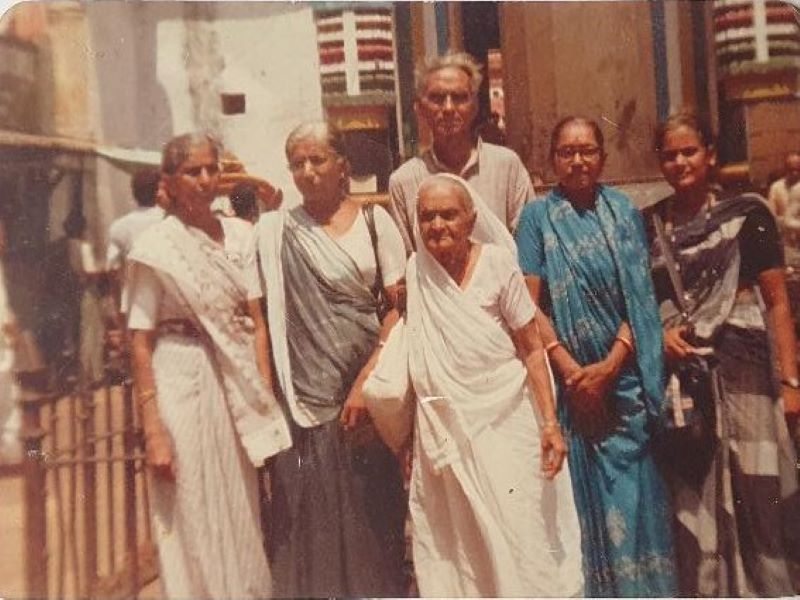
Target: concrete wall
[[589, 58]]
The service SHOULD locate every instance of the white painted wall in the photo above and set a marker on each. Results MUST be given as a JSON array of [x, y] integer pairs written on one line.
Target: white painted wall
[[158, 69]]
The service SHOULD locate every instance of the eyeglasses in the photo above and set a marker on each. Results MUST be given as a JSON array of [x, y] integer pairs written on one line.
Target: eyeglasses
[[316, 160], [672, 155], [586, 152], [440, 98]]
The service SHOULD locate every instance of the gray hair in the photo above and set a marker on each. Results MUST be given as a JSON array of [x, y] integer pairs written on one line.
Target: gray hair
[[459, 60], [454, 182], [177, 150], [317, 130]]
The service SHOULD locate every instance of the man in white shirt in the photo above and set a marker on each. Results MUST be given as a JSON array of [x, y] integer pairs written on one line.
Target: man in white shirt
[[784, 198], [447, 90], [146, 188]]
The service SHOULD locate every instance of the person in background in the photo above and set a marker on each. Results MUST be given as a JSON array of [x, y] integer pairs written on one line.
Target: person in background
[[244, 202], [447, 89], [10, 418], [337, 507], [491, 515], [146, 187], [786, 191], [737, 527], [208, 416], [583, 249]]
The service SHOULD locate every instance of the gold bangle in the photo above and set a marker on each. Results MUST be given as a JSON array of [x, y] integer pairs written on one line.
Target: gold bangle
[[146, 396], [627, 343], [552, 346]]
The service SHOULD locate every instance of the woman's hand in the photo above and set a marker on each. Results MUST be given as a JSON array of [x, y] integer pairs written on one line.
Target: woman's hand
[[791, 410], [355, 411], [554, 450], [158, 452], [587, 390], [675, 345], [592, 382]]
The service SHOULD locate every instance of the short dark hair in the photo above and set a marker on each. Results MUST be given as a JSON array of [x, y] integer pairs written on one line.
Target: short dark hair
[[177, 150], [244, 200], [683, 118], [559, 127], [144, 185]]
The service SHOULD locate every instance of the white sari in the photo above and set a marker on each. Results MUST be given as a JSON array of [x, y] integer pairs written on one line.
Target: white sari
[[485, 522]]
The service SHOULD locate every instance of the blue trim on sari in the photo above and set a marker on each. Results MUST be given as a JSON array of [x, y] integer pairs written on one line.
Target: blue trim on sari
[[597, 270]]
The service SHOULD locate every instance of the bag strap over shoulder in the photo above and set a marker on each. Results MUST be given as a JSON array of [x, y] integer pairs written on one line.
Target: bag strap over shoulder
[[671, 264], [369, 217]]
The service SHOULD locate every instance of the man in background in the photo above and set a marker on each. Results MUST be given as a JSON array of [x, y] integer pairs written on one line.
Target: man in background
[[784, 198], [146, 187]]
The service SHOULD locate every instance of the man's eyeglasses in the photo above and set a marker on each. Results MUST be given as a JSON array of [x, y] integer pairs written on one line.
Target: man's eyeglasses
[[440, 98], [586, 152]]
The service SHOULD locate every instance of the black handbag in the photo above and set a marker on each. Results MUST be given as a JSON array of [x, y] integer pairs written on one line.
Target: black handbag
[[686, 440]]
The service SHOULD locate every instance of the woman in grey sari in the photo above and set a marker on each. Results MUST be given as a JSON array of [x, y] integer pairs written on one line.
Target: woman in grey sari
[[736, 502], [337, 501]]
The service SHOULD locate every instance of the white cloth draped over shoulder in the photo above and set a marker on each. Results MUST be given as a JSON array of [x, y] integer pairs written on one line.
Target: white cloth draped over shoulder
[[485, 522], [267, 240], [214, 290]]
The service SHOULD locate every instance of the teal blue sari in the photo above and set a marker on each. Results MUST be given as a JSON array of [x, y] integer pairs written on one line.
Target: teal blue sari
[[596, 267]]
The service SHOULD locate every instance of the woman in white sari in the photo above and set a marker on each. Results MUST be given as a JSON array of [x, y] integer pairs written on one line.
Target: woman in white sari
[[491, 514], [209, 419]]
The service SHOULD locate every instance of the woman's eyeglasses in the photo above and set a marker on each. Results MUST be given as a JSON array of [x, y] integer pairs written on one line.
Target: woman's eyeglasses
[[585, 152]]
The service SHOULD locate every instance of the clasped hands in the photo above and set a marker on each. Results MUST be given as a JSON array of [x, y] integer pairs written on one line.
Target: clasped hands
[[587, 388]]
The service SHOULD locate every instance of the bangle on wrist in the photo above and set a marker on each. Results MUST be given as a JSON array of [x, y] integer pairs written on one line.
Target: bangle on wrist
[[146, 396], [552, 346], [625, 342], [550, 425]]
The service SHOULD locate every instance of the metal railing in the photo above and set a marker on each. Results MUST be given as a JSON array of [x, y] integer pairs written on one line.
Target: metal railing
[[86, 523]]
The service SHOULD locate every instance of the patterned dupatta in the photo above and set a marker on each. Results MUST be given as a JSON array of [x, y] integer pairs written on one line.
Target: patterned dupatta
[[581, 322], [213, 290], [707, 249]]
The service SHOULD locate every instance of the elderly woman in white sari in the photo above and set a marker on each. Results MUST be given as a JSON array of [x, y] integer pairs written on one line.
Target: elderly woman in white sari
[[491, 514], [209, 419]]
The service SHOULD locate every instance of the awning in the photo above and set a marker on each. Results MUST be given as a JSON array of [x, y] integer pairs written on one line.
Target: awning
[[130, 157]]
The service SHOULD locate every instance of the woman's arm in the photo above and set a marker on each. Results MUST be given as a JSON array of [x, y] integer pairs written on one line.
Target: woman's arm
[[262, 344], [776, 298], [355, 409], [158, 443], [529, 341], [560, 358]]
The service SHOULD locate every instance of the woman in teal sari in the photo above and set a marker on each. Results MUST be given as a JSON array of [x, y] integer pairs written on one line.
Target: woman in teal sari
[[583, 251]]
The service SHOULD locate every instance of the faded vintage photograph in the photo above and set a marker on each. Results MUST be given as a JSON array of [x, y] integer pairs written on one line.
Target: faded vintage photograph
[[399, 299]]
